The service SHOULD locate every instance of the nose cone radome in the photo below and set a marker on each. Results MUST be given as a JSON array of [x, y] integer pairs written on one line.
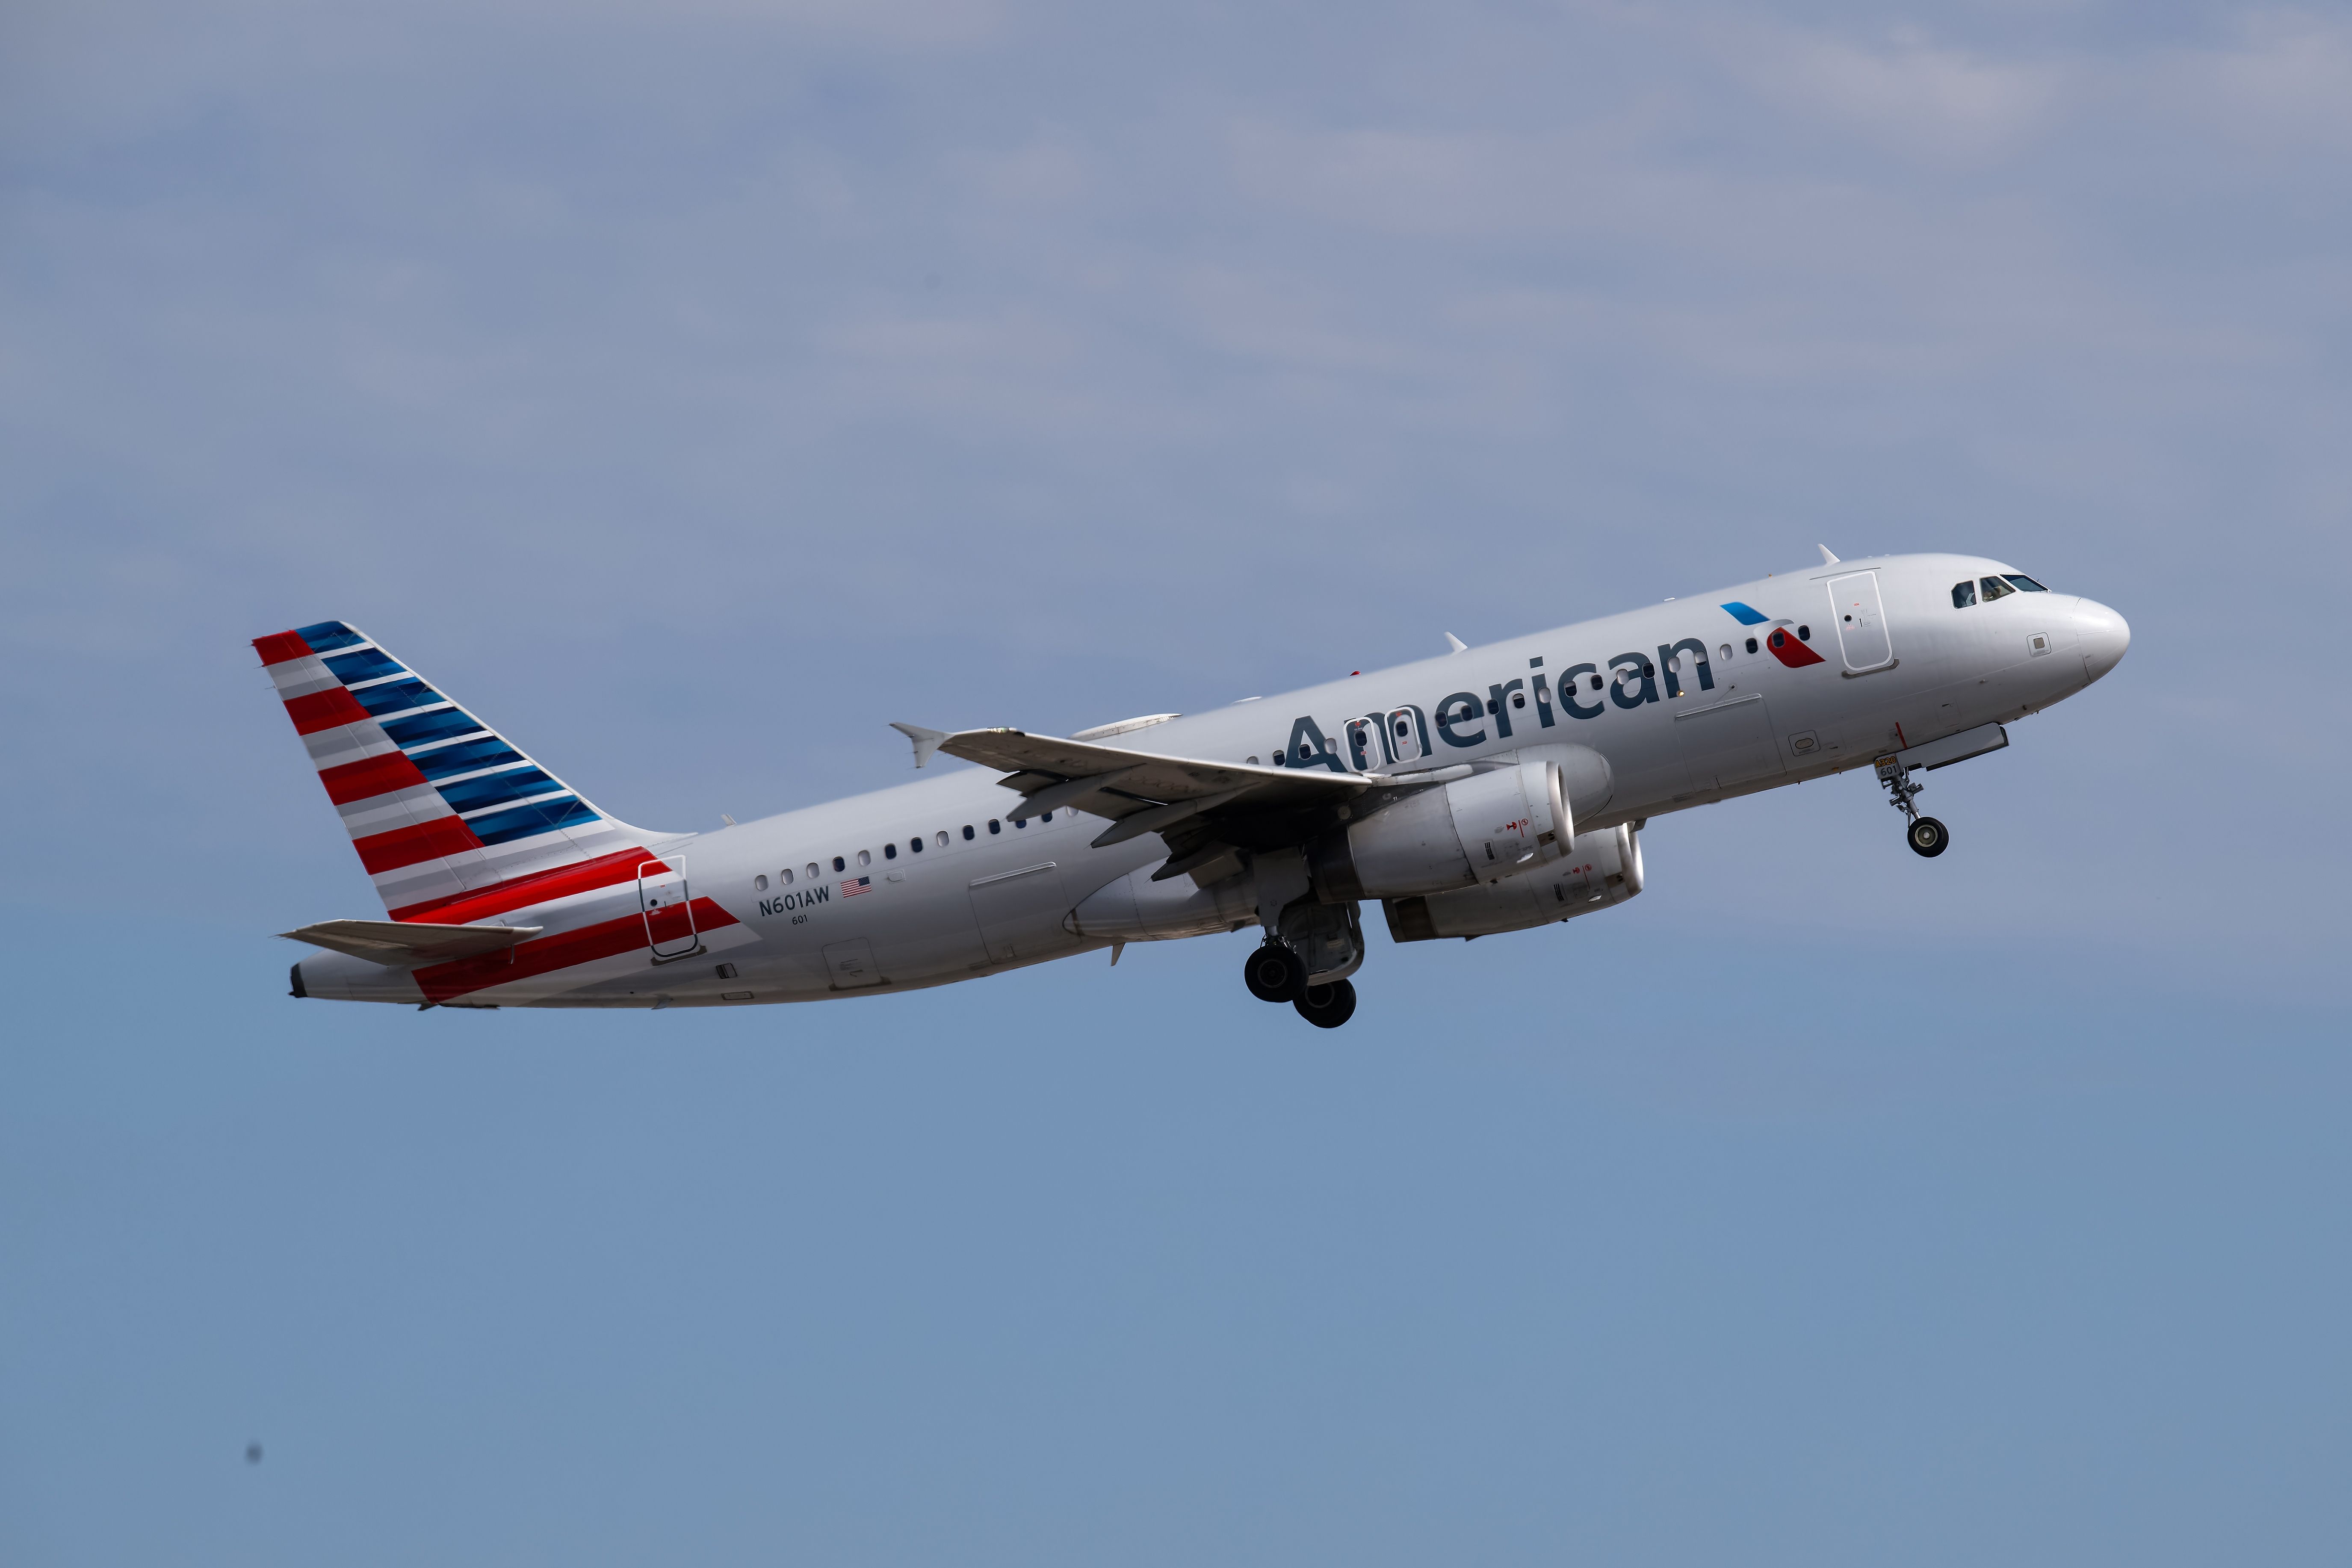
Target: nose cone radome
[[2105, 636]]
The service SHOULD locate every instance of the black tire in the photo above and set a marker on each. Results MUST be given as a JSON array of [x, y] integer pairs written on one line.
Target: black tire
[[1927, 838], [1274, 974], [1327, 1006]]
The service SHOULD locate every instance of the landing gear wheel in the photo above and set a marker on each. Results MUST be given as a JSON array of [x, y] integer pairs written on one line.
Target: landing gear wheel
[[1327, 1006], [1927, 836], [1274, 974]]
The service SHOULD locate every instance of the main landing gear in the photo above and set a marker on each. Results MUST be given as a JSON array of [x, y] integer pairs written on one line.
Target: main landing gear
[[1327, 1006], [1927, 836], [1274, 973]]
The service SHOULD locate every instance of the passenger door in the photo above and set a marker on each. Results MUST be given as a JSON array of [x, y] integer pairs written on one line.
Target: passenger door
[[1861, 622], [1020, 912], [668, 906]]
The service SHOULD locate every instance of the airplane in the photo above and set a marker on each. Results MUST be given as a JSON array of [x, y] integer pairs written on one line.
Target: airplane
[[1485, 790]]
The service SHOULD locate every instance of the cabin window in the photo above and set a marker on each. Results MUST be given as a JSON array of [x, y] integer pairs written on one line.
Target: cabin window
[[866, 857], [915, 845], [889, 852], [1048, 817], [839, 863], [941, 838], [2024, 585], [813, 872], [1492, 708], [1804, 634], [968, 835], [1518, 699], [1020, 822], [1994, 588], [1253, 762], [760, 883], [994, 826], [1727, 653], [1751, 644], [785, 876], [1964, 593]]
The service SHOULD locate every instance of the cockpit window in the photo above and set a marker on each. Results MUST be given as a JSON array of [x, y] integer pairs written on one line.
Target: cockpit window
[[1964, 594], [1994, 588], [2024, 585]]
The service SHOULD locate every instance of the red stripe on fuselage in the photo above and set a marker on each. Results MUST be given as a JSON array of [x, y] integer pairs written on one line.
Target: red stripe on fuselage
[[545, 956], [407, 846], [1790, 651], [323, 710], [541, 888], [280, 647], [370, 776]]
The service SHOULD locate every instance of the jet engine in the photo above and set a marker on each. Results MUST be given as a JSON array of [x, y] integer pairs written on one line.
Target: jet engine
[[1599, 871], [1488, 828]]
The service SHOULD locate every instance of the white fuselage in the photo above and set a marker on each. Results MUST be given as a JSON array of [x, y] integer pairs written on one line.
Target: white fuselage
[[983, 894]]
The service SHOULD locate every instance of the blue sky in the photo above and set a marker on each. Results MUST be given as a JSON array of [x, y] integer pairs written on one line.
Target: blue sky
[[694, 388]]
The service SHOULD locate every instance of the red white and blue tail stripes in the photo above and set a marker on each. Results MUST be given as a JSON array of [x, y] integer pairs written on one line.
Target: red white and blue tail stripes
[[445, 813]]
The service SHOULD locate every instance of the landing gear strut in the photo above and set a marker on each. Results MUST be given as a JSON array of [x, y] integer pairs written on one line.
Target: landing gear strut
[[1927, 836]]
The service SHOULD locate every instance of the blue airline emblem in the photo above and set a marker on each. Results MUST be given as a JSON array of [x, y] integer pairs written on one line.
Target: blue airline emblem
[[1745, 615]]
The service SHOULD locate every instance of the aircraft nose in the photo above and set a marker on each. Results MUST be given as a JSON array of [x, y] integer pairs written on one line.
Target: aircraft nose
[[2105, 636]]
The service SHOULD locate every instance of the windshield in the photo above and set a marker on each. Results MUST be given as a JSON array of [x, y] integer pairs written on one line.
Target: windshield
[[2024, 585]]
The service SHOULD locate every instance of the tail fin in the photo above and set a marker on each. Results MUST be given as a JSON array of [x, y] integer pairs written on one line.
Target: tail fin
[[445, 813]]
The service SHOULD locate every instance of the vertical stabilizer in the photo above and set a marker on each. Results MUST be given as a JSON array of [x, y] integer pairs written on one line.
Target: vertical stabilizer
[[445, 813]]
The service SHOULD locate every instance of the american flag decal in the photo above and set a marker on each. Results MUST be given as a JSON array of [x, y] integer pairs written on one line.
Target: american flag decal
[[851, 889]]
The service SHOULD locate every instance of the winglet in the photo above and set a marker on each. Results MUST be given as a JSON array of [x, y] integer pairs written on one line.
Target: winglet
[[1827, 559], [1455, 644], [926, 741]]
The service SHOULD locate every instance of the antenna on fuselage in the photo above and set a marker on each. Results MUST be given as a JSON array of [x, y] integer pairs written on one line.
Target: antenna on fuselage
[[1455, 644], [1827, 559]]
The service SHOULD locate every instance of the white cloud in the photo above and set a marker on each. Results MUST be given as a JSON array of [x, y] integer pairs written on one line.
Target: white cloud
[[1907, 93], [2290, 79]]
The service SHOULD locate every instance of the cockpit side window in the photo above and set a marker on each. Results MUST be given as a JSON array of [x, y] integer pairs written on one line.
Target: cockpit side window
[[2024, 585], [1964, 594], [1994, 588]]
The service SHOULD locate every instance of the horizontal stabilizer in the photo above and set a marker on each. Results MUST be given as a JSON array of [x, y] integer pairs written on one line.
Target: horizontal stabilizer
[[405, 944]]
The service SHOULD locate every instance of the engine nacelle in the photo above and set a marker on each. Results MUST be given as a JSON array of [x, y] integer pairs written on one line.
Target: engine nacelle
[[1486, 828], [1599, 871], [1137, 908]]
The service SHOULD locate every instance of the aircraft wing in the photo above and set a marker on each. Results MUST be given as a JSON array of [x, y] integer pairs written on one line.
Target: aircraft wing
[[1203, 810], [405, 944], [1040, 762]]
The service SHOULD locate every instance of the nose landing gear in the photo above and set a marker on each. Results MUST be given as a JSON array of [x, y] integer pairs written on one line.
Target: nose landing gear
[[1927, 836]]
